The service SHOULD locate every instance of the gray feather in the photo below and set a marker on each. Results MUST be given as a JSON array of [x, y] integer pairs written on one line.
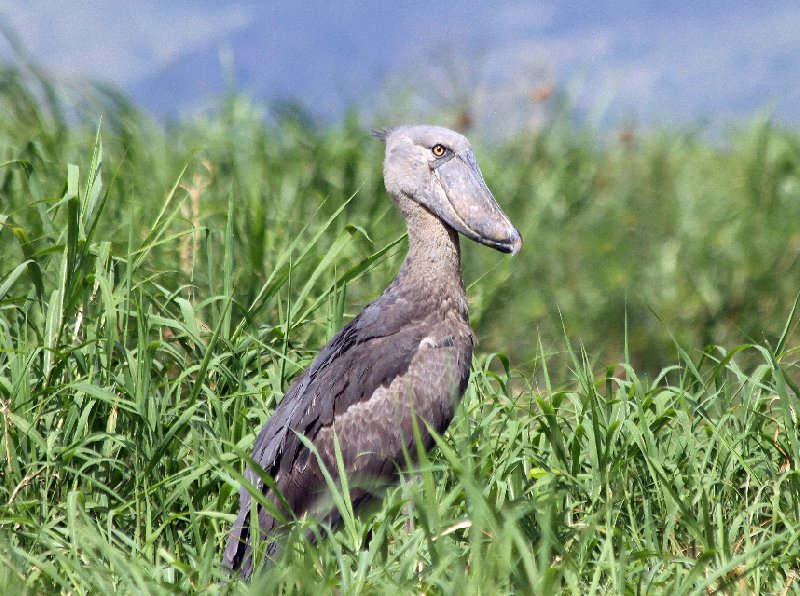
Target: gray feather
[[405, 357]]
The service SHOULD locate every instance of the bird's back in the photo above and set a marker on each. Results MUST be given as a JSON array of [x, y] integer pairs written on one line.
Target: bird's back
[[406, 357]]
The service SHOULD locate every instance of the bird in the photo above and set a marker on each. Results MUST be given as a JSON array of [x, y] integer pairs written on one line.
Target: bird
[[400, 366]]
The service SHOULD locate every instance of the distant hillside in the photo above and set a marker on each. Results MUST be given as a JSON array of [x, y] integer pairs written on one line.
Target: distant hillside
[[646, 60]]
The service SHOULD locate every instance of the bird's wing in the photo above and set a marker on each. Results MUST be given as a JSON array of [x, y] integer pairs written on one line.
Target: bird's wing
[[376, 432], [365, 357], [370, 351]]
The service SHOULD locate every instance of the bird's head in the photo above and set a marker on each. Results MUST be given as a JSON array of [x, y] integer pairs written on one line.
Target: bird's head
[[435, 167]]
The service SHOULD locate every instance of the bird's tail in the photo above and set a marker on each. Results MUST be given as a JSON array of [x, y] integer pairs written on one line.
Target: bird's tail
[[238, 557]]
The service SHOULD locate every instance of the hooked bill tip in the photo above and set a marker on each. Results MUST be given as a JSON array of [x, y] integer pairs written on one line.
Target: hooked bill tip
[[516, 244], [513, 245]]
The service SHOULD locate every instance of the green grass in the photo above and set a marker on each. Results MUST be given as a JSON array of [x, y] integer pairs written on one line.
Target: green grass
[[630, 425]]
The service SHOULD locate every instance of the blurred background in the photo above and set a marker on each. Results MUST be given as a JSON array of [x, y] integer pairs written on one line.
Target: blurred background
[[648, 151], [656, 61]]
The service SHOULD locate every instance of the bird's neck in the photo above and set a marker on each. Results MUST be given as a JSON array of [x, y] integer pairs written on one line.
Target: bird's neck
[[433, 264]]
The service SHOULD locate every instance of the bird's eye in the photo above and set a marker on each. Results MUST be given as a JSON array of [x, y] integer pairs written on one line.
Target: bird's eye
[[438, 150]]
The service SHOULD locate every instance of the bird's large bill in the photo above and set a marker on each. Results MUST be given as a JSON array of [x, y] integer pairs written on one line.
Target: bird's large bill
[[463, 200]]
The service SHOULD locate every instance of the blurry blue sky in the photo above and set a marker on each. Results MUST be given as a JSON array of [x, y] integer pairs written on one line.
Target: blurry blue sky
[[682, 62]]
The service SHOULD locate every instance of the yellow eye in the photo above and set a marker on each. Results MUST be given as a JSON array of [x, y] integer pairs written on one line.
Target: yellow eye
[[438, 150]]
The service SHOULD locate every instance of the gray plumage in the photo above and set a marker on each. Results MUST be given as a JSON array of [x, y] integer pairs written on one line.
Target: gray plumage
[[405, 355]]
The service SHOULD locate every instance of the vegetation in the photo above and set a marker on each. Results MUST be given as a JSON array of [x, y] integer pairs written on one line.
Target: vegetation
[[161, 286]]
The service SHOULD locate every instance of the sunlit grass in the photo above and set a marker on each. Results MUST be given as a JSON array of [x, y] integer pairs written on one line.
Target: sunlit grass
[[159, 290]]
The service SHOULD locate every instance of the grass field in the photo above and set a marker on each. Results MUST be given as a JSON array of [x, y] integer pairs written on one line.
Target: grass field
[[631, 422]]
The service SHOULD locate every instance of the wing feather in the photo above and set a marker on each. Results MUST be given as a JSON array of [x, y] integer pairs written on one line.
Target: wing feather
[[369, 353]]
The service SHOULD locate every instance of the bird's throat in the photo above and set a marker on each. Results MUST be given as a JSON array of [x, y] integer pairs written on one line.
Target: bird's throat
[[433, 263]]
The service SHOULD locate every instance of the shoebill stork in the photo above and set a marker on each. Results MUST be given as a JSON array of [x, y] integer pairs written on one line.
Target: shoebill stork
[[403, 361]]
